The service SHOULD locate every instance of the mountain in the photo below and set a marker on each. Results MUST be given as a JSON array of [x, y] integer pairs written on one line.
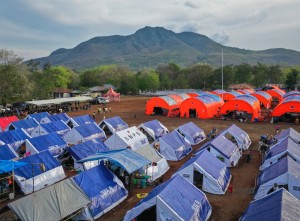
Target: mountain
[[151, 46]]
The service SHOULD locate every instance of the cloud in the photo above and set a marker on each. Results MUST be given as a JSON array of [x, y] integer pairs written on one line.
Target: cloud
[[191, 4], [221, 38]]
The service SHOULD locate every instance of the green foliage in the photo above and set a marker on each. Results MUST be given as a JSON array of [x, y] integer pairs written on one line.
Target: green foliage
[[291, 79], [148, 80]]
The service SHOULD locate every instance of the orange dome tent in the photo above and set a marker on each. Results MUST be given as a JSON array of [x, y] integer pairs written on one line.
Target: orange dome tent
[[291, 93], [263, 98], [291, 104], [277, 95], [5, 121], [245, 91]]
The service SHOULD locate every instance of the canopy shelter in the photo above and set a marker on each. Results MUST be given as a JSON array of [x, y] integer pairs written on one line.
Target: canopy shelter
[[201, 107], [85, 149], [38, 116], [175, 199], [158, 166], [276, 206], [59, 100], [34, 177], [15, 138], [58, 127], [112, 125], [284, 147], [191, 133], [131, 138], [84, 133], [290, 132], [80, 121], [206, 172], [291, 93], [5, 121], [243, 103], [7, 152], [223, 149], [27, 124], [289, 105], [153, 129], [52, 203], [56, 117], [51, 142], [172, 146], [112, 95], [125, 158], [264, 98], [284, 173], [237, 136], [103, 188], [277, 95]]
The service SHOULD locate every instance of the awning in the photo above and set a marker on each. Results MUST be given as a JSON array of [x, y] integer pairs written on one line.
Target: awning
[[8, 165], [59, 100]]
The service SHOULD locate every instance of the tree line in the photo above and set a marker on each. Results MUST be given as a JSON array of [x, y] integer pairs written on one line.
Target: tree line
[[26, 81]]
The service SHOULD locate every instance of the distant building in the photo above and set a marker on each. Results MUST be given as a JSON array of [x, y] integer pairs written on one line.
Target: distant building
[[62, 93]]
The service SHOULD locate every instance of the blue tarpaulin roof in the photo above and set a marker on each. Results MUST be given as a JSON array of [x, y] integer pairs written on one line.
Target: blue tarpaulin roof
[[156, 127], [25, 124], [63, 116], [181, 199], [89, 129], [206, 99], [248, 98], [170, 101], [8, 165], [125, 158], [88, 148], [288, 132], [34, 162], [45, 142], [38, 116], [82, 120], [291, 93], [263, 94], [286, 144], [105, 191], [116, 124], [7, 153], [13, 136], [279, 205], [55, 126], [217, 98]]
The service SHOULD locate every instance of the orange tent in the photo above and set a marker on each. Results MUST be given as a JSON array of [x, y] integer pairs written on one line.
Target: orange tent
[[263, 98], [277, 95], [112, 95], [218, 92], [291, 104], [291, 93], [5, 121], [201, 107], [192, 94], [244, 103], [245, 91]]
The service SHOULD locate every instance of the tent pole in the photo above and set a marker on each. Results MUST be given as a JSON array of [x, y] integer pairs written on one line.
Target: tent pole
[[13, 182]]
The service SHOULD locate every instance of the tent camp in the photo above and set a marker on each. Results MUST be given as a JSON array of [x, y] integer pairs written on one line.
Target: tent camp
[[191, 133], [55, 117], [289, 105], [7, 152], [131, 138], [112, 125], [27, 124], [277, 206], [38, 116], [104, 189], [284, 147], [58, 127], [15, 138], [158, 166], [290, 132], [173, 202], [243, 103], [51, 142], [85, 149], [80, 121], [172, 146], [237, 136], [83, 133], [199, 107], [284, 173], [112, 95], [52, 203], [264, 98], [153, 129], [37, 175], [277, 95], [223, 149], [5, 121], [206, 172]]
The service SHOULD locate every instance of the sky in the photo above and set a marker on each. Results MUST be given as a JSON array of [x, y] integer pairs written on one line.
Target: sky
[[35, 28]]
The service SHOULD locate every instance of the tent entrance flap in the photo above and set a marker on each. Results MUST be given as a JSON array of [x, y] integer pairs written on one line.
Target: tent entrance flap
[[158, 111], [148, 214], [192, 113], [198, 179]]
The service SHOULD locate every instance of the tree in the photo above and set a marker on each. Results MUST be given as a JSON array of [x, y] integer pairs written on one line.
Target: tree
[[291, 79], [243, 74], [8, 57], [128, 84], [198, 74], [171, 71], [148, 80], [259, 72]]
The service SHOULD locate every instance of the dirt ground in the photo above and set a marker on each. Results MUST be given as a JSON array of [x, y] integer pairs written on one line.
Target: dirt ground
[[225, 208]]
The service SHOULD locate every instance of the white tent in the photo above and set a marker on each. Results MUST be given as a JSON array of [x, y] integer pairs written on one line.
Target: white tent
[[153, 129], [191, 133]]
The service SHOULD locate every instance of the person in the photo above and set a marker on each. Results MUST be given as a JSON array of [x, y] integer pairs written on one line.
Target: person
[[99, 110], [94, 115], [277, 129], [110, 109], [297, 121], [230, 189]]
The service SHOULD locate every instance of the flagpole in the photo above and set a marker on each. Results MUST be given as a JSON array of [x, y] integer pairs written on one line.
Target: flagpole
[[222, 75]]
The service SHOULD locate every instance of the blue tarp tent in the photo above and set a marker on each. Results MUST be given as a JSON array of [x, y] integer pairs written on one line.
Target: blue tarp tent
[[113, 124], [83, 133], [153, 129], [55, 117], [103, 188], [283, 147], [8, 165], [238, 136], [7, 152], [58, 127], [15, 138], [290, 132], [286, 172], [85, 149], [223, 149], [52, 142], [277, 206], [216, 175], [173, 146], [53, 172], [80, 121], [125, 158], [27, 124], [175, 199], [191, 133], [38, 116]]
